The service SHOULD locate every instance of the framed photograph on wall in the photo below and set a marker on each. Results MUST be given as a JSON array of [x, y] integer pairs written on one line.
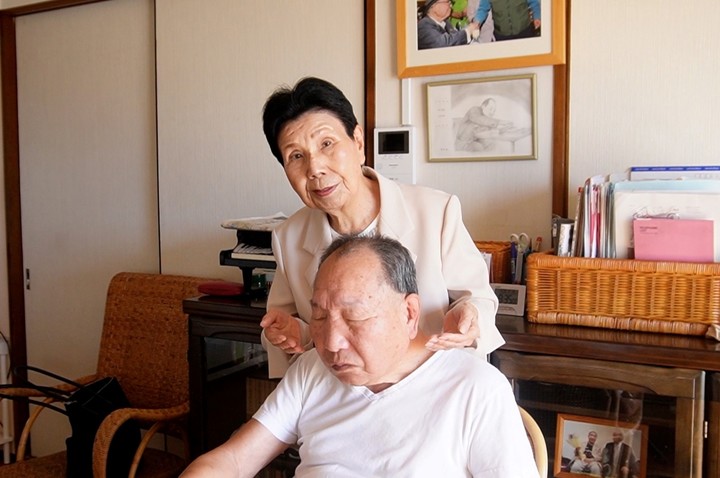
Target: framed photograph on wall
[[486, 119], [587, 447], [504, 38]]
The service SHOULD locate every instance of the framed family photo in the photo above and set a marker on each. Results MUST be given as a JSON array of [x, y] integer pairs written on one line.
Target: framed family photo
[[512, 34], [593, 447], [486, 119]]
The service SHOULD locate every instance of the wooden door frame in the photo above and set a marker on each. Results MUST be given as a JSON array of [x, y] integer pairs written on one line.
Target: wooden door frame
[[11, 164], [561, 126]]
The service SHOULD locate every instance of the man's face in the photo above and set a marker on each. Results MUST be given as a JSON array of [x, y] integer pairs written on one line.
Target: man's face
[[441, 9], [361, 327], [617, 437], [322, 163]]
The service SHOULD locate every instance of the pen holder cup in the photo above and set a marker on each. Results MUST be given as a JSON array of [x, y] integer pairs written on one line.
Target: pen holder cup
[[500, 264]]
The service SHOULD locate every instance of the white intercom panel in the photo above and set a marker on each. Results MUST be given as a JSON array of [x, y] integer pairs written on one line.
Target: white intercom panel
[[394, 150]]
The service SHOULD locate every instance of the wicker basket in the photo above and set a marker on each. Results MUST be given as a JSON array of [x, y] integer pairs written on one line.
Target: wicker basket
[[500, 265], [669, 297]]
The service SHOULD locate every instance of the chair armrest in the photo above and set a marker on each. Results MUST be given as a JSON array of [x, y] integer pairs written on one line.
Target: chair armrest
[[148, 416], [20, 392]]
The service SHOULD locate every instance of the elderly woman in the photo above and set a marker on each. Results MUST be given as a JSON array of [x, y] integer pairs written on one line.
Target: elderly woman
[[313, 133]]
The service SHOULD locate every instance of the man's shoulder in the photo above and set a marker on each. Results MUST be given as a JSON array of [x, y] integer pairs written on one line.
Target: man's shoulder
[[426, 21], [307, 360], [469, 365]]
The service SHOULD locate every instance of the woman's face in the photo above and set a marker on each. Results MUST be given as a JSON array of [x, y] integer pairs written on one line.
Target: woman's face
[[322, 163]]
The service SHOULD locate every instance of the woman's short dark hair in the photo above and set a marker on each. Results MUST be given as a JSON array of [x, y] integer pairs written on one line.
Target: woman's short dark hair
[[308, 94]]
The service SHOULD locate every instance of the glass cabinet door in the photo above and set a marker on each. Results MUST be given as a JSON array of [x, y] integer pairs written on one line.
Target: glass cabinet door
[[658, 412], [232, 372], [712, 467], [236, 384]]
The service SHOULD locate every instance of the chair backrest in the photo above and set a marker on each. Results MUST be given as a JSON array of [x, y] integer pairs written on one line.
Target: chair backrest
[[145, 337], [537, 442]]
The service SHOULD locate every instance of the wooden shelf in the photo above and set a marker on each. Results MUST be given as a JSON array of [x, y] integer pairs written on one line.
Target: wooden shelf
[[559, 369]]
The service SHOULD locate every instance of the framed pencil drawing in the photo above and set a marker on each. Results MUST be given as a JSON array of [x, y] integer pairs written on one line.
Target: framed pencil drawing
[[587, 447], [423, 50], [486, 119]]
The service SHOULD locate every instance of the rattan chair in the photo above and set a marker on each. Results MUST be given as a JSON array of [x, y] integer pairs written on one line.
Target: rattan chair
[[537, 442], [144, 344]]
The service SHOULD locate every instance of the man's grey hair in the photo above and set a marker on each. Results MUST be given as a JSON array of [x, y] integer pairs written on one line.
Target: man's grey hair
[[398, 266]]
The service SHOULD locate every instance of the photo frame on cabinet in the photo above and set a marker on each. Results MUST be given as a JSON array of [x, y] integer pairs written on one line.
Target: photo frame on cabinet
[[484, 119], [577, 456], [485, 52]]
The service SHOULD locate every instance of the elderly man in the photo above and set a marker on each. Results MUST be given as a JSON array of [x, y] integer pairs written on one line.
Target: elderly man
[[588, 456], [435, 30], [618, 458], [370, 399]]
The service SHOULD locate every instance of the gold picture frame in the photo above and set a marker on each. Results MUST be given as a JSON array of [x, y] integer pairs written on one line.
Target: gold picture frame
[[576, 457], [546, 49], [484, 119]]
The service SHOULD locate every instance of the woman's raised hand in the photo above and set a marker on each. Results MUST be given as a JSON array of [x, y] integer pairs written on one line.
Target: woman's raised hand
[[282, 330]]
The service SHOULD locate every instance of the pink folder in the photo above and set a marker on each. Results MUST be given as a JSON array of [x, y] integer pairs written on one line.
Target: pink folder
[[679, 240]]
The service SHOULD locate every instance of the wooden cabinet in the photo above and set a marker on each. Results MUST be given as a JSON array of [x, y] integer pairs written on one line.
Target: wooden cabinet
[[223, 334], [668, 383], [228, 372]]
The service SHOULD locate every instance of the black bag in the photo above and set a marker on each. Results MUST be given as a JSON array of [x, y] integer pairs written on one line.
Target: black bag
[[86, 408]]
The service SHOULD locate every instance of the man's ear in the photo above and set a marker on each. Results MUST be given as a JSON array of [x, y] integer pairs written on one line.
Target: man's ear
[[412, 306]]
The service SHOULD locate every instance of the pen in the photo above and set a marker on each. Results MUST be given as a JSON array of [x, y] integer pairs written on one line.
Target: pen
[[519, 262], [513, 258]]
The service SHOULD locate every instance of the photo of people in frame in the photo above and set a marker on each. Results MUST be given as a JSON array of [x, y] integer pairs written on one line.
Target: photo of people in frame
[[445, 23], [592, 447], [439, 37]]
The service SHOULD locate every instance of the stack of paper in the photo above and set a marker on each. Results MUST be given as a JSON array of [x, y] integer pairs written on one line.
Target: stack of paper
[[254, 236], [664, 199], [264, 223], [608, 207]]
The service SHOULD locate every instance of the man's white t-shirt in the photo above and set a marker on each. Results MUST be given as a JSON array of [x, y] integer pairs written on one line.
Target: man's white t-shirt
[[454, 416]]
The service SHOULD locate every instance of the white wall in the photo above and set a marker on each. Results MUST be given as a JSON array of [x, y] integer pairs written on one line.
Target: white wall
[[216, 67], [644, 78]]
